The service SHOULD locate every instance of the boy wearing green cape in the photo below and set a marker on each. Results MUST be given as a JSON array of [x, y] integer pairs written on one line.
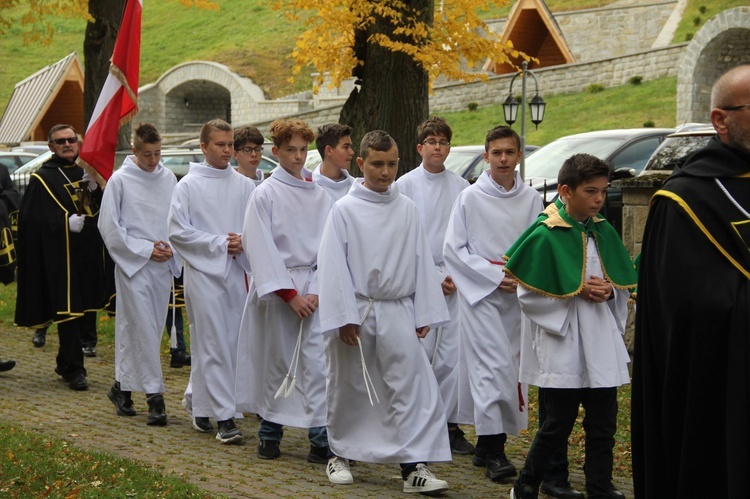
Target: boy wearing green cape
[[574, 275]]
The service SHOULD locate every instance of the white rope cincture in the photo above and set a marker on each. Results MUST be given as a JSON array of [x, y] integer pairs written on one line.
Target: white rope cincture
[[734, 201], [173, 331], [369, 385], [283, 389], [437, 343]]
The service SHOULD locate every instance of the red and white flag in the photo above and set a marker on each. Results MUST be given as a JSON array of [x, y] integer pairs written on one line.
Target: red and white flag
[[118, 101]]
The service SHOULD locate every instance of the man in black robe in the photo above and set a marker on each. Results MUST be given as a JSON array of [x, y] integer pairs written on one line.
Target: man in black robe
[[691, 371], [60, 253]]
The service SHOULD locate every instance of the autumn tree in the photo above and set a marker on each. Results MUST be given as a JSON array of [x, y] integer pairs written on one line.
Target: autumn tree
[[394, 49]]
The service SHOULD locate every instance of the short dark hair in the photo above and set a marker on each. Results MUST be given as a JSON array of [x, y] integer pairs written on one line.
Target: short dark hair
[[501, 132], [434, 125], [377, 140], [57, 128], [245, 135], [146, 133], [581, 168], [282, 130], [212, 125], [329, 135]]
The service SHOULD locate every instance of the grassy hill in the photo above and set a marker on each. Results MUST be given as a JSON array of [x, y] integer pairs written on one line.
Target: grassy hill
[[254, 41]]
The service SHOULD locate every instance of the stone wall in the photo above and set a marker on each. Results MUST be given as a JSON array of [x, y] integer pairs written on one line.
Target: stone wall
[[636, 195]]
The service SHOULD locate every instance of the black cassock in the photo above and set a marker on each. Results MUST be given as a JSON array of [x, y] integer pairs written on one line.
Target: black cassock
[[691, 369]]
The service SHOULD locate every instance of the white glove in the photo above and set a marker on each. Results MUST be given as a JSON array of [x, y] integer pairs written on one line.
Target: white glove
[[75, 222], [87, 178]]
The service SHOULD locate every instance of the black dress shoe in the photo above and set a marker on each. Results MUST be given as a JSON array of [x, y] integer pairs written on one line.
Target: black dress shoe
[[122, 400], [561, 489], [616, 494], [89, 351], [40, 337], [78, 382], [7, 365], [180, 358]]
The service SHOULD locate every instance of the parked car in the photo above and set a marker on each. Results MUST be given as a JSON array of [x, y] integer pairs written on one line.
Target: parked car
[[35, 148], [677, 147], [12, 160], [626, 150], [468, 161], [267, 163]]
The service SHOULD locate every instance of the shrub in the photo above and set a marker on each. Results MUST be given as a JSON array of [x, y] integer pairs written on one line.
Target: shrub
[[636, 80], [702, 9], [697, 20], [649, 124], [594, 88], [688, 37], [473, 106]]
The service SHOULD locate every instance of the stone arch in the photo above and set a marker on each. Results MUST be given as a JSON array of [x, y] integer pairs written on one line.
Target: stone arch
[[721, 44], [191, 93]]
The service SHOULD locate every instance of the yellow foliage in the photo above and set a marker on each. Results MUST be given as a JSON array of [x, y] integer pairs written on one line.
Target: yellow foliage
[[456, 39]]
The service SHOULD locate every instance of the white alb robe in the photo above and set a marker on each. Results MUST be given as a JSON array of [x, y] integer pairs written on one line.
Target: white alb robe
[[335, 188], [434, 195], [207, 205], [283, 224], [133, 216], [375, 260], [485, 222], [573, 343]]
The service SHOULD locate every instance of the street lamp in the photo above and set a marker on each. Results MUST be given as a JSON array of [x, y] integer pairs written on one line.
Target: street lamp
[[536, 108]]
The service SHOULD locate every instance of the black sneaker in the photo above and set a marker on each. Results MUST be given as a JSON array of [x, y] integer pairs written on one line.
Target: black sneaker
[[157, 412], [268, 449], [228, 432], [78, 383], [40, 337], [179, 359], [7, 365], [203, 425], [498, 467], [459, 444], [319, 455], [523, 491], [480, 457], [121, 399], [561, 489], [89, 351]]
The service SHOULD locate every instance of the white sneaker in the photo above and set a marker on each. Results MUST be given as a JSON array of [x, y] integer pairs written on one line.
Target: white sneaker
[[188, 407], [338, 471], [423, 482]]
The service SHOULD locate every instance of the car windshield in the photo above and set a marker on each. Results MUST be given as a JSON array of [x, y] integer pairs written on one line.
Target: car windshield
[[459, 161], [547, 161], [675, 150]]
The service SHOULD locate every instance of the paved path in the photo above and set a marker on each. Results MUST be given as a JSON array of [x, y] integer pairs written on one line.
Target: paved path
[[32, 396]]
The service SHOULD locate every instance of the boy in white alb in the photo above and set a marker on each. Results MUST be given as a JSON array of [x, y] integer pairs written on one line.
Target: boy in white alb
[[377, 287], [205, 220], [248, 151], [334, 143], [434, 190], [284, 221], [133, 225], [487, 218]]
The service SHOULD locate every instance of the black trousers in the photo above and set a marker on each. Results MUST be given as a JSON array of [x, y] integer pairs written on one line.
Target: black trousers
[[599, 424], [69, 354], [557, 466]]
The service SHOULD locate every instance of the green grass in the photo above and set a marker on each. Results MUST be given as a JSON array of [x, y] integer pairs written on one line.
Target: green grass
[[688, 28], [34, 465], [249, 37], [626, 106]]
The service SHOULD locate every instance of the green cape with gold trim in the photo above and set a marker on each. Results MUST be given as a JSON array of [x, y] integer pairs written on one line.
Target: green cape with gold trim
[[551, 258]]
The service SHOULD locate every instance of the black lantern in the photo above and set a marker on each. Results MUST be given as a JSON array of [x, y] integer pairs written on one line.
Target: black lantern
[[536, 107], [510, 109]]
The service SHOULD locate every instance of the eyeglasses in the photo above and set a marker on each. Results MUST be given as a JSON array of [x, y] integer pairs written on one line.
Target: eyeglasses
[[734, 108], [69, 140], [250, 150], [433, 143]]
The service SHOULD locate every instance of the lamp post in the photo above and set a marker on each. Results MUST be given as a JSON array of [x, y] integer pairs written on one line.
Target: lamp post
[[536, 108]]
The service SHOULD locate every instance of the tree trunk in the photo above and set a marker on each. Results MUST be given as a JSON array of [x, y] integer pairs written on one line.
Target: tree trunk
[[98, 46], [393, 93]]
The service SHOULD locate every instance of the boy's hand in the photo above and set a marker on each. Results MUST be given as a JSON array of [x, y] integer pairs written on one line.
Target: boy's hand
[[302, 305], [508, 285], [422, 331], [162, 252], [349, 334], [448, 287], [313, 299], [596, 290], [235, 244]]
